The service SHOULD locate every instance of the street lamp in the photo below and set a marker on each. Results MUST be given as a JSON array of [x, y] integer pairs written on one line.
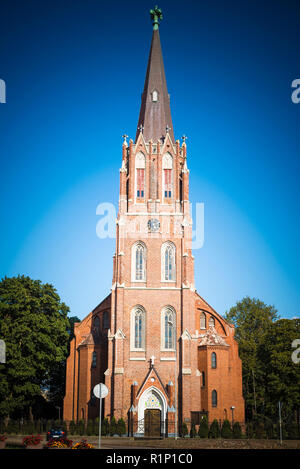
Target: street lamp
[[232, 410]]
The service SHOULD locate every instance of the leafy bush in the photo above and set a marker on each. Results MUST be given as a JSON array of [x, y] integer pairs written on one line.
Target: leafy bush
[[90, 427], [292, 431], [184, 429], [203, 428], [113, 426], [12, 427], [226, 429], [236, 431], [214, 431], [193, 432], [121, 427], [80, 428], [105, 427], [72, 427]]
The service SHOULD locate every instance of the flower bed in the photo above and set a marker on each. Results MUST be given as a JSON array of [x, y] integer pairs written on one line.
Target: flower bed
[[61, 443], [83, 445], [33, 442], [3, 439]]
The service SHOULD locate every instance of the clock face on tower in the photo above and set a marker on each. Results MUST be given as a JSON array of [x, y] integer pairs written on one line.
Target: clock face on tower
[[153, 224]]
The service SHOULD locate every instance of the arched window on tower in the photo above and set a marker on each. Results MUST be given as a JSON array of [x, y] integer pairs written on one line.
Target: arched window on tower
[[167, 164], [138, 328], [214, 398], [168, 328], [140, 165], [202, 321], [168, 262], [138, 263], [214, 360]]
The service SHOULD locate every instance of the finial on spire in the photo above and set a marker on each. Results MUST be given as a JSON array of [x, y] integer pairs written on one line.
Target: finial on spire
[[125, 136], [168, 129], [184, 137], [156, 15], [141, 128]]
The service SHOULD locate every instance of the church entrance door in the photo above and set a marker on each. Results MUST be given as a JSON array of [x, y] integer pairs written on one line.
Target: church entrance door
[[152, 422]]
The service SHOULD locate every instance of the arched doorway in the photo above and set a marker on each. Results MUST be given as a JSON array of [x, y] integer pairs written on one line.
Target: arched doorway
[[152, 409]]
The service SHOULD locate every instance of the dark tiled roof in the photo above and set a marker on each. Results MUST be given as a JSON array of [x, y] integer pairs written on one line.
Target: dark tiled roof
[[155, 116]]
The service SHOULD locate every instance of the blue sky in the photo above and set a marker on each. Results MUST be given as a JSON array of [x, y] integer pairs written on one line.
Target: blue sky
[[74, 72]]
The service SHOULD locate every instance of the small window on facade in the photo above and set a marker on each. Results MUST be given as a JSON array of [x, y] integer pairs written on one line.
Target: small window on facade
[[203, 378], [214, 398], [202, 321], [211, 322], [213, 360], [154, 96]]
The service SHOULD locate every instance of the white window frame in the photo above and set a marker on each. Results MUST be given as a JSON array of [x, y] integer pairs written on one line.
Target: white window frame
[[140, 163], [138, 244], [167, 163]]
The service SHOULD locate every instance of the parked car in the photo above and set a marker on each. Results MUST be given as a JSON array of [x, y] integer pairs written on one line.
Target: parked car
[[56, 433]]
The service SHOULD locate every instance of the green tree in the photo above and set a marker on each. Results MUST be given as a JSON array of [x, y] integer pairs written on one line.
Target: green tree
[[34, 326], [113, 426], [105, 427], [252, 318], [236, 430], [121, 427], [184, 429], [214, 430], [226, 431], [203, 428], [281, 374], [193, 432]]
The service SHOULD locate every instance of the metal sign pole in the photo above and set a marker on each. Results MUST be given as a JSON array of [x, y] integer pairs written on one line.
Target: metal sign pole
[[100, 391], [100, 426]]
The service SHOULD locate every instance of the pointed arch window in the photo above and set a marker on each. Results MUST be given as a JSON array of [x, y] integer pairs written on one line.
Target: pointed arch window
[[167, 163], [168, 262], [139, 262], [138, 328], [140, 165], [168, 329], [202, 321]]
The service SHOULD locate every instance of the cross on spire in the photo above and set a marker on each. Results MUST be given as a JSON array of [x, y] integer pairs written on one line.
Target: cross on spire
[[152, 360], [156, 15], [141, 128], [168, 129], [125, 136], [184, 137]]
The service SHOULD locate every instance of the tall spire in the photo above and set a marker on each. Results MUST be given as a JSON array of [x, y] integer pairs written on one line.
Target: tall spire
[[155, 119]]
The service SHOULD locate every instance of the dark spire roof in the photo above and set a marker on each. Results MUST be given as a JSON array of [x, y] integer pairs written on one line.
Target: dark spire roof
[[155, 113]]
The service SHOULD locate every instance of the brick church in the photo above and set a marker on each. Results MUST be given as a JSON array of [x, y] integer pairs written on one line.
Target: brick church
[[166, 356]]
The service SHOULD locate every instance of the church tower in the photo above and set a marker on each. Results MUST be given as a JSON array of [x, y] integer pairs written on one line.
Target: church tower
[[154, 341]]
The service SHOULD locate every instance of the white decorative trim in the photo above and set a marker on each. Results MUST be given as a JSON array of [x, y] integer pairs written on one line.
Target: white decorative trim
[[119, 371], [137, 358], [186, 371], [167, 359], [120, 334]]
